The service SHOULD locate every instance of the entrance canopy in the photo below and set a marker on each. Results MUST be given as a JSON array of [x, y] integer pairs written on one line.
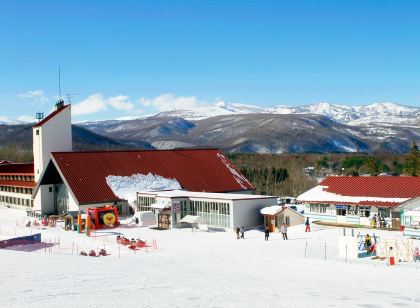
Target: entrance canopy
[[160, 206], [271, 210], [190, 219]]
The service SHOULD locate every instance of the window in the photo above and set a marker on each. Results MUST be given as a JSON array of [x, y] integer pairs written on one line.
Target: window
[[37, 132], [50, 189], [364, 211]]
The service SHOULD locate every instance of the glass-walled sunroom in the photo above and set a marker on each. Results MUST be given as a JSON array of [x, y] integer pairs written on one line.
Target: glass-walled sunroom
[[212, 213], [144, 203]]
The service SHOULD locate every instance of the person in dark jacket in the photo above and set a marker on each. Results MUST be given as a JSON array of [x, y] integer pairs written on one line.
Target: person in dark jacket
[[237, 233], [242, 232], [308, 226], [266, 233]]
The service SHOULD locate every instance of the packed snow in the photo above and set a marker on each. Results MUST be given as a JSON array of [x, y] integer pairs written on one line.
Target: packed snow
[[197, 269], [126, 187]]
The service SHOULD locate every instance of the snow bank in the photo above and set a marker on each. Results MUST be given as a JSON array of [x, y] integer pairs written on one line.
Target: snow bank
[[126, 187]]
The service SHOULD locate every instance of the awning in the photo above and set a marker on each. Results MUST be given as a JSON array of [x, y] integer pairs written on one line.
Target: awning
[[190, 219], [160, 206], [271, 210]]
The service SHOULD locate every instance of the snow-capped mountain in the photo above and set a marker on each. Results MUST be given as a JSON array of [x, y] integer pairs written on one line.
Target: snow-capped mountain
[[8, 121], [218, 109], [351, 115]]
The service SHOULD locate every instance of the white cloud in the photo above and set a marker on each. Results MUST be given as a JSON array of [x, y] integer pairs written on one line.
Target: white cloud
[[169, 101], [98, 102], [120, 102], [37, 96], [27, 118]]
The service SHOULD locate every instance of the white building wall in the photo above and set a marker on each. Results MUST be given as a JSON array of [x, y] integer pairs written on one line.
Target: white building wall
[[53, 136], [44, 199], [247, 212]]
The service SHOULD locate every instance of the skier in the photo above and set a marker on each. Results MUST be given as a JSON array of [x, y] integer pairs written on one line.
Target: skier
[[308, 226], [242, 232], [266, 233], [237, 233]]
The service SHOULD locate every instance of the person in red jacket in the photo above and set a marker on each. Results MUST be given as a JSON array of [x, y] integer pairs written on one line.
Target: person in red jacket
[[308, 226]]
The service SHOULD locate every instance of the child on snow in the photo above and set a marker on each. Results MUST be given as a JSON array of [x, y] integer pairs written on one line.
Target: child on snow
[[416, 254], [242, 232]]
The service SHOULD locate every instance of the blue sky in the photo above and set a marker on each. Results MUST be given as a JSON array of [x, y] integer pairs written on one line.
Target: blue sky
[[125, 58]]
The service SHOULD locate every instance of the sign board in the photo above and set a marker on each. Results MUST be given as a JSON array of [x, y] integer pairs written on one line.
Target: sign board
[[176, 206], [341, 207]]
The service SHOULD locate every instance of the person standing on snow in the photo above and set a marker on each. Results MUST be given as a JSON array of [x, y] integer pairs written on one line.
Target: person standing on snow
[[416, 254], [266, 234], [237, 233], [242, 232], [284, 231], [308, 226]]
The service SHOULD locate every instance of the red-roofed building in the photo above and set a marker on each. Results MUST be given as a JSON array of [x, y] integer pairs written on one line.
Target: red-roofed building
[[16, 184], [77, 180], [357, 200], [73, 181]]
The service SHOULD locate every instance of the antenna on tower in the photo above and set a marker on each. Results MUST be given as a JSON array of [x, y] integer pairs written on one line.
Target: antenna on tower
[[69, 96], [59, 83], [60, 103]]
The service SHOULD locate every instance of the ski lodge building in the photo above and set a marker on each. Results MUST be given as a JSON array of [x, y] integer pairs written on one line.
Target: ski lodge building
[[355, 200], [224, 210], [61, 180]]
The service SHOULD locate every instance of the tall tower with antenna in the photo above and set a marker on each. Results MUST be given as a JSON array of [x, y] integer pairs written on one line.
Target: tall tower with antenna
[[52, 134]]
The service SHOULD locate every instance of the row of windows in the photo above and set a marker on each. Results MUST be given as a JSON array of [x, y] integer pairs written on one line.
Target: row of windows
[[144, 203], [16, 201], [17, 178], [209, 207], [19, 190], [211, 213], [361, 211]]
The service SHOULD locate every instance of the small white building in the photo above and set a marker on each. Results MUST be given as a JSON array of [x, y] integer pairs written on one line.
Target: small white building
[[356, 200], [276, 215], [222, 210]]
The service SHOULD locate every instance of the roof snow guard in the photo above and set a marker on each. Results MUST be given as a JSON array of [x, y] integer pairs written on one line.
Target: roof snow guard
[[194, 169], [364, 191]]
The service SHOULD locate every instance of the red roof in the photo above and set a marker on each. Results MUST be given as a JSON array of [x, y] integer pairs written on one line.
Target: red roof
[[17, 169], [196, 170], [25, 184], [374, 186], [50, 116]]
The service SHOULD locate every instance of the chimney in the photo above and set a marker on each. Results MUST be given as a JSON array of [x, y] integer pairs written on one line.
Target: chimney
[[59, 104]]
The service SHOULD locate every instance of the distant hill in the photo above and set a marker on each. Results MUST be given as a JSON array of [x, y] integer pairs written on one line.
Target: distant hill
[[83, 139]]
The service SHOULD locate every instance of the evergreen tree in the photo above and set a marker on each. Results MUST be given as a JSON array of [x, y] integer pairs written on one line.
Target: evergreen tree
[[412, 163], [373, 166]]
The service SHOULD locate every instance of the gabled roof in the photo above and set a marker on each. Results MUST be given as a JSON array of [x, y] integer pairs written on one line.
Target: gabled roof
[[50, 116], [364, 191], [196, 170], [17, 169], [374, 186]]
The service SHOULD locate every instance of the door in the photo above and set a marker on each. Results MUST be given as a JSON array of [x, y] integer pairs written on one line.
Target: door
[[164, 220]]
